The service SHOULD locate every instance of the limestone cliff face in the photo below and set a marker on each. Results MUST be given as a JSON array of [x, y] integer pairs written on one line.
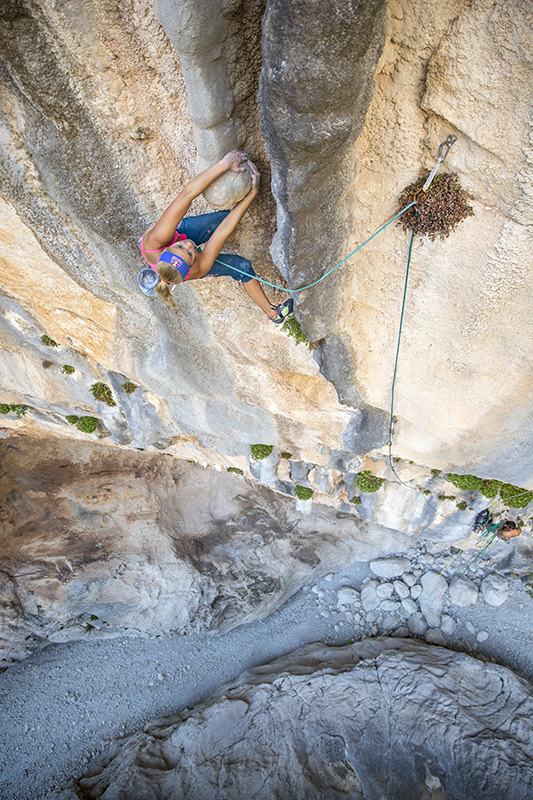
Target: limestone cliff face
[[105, 108]]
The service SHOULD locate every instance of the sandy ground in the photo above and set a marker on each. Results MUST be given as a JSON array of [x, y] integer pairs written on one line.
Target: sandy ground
[[62, 707]]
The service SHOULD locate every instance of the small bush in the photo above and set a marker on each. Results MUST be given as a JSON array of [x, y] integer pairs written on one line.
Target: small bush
[[443, 497], [260, 451], [303, 492], [87, 424], [47, 364], [47, 341], [440, 211], [18, 409], [293, 328], [436, 472], [367, 482], [512, 496], [71, 419], [129, 387], [102, 392], [356, 500], [236, 470], [468, 483], [461, 505], [285, 455], [67, 369]]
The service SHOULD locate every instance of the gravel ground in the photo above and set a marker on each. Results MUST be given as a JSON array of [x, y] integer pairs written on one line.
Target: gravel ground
[[62, 707]]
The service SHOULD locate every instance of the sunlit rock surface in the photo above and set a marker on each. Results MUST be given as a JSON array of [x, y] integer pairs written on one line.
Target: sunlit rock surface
[[390, 719], [97, 137]]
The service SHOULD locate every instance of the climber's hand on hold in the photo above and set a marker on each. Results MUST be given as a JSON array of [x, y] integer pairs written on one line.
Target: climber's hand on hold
[[256, 176], [233, 160]]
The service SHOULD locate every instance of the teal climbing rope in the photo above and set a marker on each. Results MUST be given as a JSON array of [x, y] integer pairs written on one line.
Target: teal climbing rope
[[315, 283]]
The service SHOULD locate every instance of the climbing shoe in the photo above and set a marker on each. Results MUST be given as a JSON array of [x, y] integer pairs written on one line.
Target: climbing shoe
[[283, 310]]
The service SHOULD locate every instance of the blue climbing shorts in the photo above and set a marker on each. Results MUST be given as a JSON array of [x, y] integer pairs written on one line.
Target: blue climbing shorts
[[199, 229]]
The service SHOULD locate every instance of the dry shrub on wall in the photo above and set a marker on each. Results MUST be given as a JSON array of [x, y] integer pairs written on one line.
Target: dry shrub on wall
[[440, 210]]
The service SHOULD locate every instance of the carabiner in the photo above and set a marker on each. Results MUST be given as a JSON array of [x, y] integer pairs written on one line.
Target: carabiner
[[447, 144]]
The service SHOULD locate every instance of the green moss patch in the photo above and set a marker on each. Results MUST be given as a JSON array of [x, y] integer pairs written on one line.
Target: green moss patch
[[260, 451], [303, 492], [102, 392], [461, 505], [15, 408], [67, 369], [367, 482], [129, 387], [71, 419], [356, 501], [47, 341], [235, 470], [512, 496], [285, 455]]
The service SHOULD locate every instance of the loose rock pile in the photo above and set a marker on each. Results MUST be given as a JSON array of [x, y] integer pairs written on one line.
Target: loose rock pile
[[410, 597]]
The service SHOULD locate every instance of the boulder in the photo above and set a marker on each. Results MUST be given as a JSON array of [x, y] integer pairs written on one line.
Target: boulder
[[495, 590], [463, 592]]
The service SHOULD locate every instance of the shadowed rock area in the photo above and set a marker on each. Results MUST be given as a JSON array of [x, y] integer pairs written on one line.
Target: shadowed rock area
[[98, 542], [390, 719]]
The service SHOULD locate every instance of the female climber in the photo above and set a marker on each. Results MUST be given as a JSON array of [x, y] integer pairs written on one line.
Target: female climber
[[171, 246]]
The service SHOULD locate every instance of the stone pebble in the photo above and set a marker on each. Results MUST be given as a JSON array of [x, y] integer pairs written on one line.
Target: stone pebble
[[463, 592]]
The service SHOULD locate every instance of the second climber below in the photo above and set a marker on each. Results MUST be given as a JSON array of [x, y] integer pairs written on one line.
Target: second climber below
[[170, 246]]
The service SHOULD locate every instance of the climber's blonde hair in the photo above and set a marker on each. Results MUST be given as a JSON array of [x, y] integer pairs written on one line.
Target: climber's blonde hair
[[169, 277]]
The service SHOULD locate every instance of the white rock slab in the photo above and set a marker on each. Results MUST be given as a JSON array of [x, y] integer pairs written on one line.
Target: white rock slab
[[370, 599]]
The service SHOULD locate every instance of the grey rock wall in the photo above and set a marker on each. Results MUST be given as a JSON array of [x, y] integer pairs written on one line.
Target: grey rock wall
[[391, 719]]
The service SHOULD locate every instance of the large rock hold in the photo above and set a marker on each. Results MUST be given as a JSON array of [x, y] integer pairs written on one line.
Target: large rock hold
[[433, 724]]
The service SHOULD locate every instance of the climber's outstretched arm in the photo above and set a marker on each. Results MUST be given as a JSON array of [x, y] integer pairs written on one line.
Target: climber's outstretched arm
[[206, 259], [162, 233]]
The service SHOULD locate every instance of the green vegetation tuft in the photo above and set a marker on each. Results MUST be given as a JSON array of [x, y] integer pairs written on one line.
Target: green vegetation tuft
[[303, 492], [293, 328], [129, 387], [71, 419], [87, 424], [443, 497], [461, 505], [285, 455], [468, 483], [367, 482], [356, 500], [427, 492], [18, 409], [436, 472], [512, 496], [236, 470], [47, 341], [67, 369], [102, 392], [260, 451], [47, 364]]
